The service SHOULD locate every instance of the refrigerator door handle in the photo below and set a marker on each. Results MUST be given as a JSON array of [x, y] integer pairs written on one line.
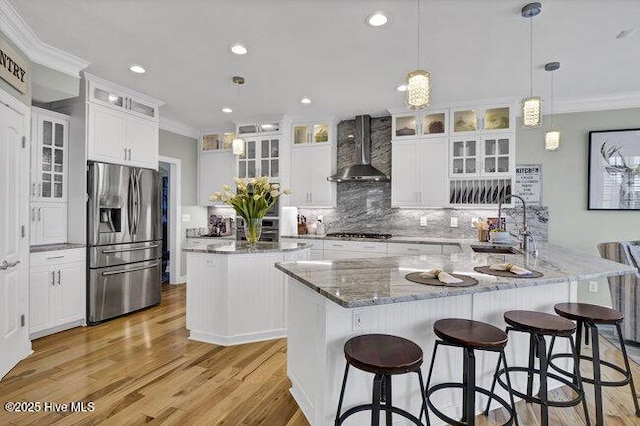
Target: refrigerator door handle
[[124, 271], [130, 217], [138, 201], [130, 249]]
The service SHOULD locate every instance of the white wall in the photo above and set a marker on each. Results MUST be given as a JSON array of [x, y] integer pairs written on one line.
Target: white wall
[[186, 149], [565, 176]]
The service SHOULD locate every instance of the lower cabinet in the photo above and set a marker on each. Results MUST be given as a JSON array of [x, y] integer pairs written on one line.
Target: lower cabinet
[[334, 250], [48, 223], [57, 291]]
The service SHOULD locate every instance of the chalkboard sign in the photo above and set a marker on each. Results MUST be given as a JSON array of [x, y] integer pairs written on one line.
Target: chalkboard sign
[[529, 183]]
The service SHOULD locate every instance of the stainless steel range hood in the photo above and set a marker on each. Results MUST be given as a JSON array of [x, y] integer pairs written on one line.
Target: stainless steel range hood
[[362, 170]]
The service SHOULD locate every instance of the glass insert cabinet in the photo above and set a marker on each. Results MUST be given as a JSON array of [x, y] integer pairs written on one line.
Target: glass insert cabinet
[[49, 157], [419, 125], [112, 97], [217, 141], [261, 158]]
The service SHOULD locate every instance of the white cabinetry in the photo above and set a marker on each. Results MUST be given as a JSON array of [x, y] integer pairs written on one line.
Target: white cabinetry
[[262, 150], [122, 126], [310, 168], [215, 169], [420, 124], [335, 249], [419, 173], [49, 175], [317, 247], [57, 288]]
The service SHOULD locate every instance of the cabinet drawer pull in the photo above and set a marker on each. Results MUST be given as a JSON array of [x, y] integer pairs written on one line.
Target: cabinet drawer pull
[[55, 257]]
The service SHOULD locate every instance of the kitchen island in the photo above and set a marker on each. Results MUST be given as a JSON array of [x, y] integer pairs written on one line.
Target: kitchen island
[[332, 301], [234, 294]]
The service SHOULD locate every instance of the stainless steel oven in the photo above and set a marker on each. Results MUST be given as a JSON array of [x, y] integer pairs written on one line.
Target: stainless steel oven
[[270, 229]]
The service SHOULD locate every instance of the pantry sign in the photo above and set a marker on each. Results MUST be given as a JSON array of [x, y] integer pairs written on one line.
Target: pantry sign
[[529, 182], [13, 67]]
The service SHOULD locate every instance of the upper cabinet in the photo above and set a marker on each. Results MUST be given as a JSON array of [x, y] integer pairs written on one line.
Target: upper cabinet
[[110, 96], [262, 150], [420, 124], [495, 118], [216, 141], [216, 165], [254, 128], [313, 160], [49, 155], [122, 125]]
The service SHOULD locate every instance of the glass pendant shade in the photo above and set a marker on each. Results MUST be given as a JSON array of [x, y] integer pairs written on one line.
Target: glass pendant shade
[[418, 89], [552, 140], [531, 111], [237, 145]]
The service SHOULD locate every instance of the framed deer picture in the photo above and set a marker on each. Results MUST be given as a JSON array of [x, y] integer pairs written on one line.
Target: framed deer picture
[[614, 170]]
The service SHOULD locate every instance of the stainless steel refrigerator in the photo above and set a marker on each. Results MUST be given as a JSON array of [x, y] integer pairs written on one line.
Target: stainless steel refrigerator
[[124, 240]]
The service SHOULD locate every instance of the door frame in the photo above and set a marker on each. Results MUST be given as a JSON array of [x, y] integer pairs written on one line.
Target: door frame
[[175, 212], [25, 110]]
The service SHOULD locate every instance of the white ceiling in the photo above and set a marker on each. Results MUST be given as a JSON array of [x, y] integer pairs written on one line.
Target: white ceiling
[[475, 49]]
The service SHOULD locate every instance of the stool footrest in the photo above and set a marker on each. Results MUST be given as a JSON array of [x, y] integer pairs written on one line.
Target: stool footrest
[[537, 400], [589, 380], [393, 409], [450, 385]]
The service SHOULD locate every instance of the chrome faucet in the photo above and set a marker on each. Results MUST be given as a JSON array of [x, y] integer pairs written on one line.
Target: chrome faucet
[[526, 238]]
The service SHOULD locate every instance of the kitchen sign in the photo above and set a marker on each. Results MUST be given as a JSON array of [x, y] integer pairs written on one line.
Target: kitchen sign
[[13, 67], [529, 183]]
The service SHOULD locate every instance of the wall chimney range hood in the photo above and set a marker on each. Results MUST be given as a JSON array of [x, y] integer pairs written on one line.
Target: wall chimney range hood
[[362, 170]]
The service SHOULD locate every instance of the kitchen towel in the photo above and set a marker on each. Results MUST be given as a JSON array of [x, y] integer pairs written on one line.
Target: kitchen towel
[[441, 275], [510, 267]]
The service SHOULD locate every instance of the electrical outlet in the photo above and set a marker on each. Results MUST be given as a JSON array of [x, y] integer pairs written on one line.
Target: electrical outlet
[[356, 318], [593, 286], [454, 222], [423, 221]]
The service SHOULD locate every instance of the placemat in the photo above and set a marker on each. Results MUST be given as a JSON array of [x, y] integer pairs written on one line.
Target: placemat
[[489, 271], [467, 281]]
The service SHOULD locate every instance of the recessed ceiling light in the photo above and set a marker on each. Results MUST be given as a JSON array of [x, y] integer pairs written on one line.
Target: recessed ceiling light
[[227, 110], [305, 101], [625, 33], [377, 19], [138, 69], [238, 49], [402, 88]]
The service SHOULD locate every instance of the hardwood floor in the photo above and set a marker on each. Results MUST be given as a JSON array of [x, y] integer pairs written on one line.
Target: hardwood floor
[[142, 369]]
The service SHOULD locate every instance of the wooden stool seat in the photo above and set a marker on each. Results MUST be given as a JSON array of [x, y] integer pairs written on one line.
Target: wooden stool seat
[[383, 354], [587, 312], [469, 333], [540, 322]]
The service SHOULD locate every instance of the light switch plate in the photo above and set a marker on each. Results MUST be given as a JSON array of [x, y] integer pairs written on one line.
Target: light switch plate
[[593, 286], [454, 222], [423, 221], [186, 217]]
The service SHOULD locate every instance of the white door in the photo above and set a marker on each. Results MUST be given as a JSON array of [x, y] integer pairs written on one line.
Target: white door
[[321, 188], [13, 196], [41, 287], [106, 138], [71, 282], [433, 154], [142, 140], [405, 189], [300, 189]]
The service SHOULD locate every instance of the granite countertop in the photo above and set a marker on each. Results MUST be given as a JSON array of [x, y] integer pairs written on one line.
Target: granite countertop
[[212, 237], [355, 283], [399, 239], [54, 247], [241, 247]]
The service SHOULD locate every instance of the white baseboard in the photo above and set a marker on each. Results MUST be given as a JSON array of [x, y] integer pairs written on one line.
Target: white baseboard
[[240, 339]]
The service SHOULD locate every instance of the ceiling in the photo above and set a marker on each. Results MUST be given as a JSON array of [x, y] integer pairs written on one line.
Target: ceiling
[[475, 49]]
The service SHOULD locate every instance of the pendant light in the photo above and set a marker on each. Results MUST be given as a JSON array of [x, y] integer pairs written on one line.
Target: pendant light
[[418, 81], [532, 105], [237, 145], [552, 137]]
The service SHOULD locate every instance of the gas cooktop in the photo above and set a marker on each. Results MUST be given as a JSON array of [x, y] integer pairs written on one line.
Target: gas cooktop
[[359, 235]]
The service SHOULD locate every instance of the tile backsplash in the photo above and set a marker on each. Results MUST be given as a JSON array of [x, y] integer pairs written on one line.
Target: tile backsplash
[[366, 206]]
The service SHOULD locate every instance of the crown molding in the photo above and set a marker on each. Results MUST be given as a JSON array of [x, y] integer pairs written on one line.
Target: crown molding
[[173, 126], [14, 27], [594, 103]]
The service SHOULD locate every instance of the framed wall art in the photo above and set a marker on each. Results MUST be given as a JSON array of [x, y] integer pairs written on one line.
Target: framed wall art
[[614, 170]]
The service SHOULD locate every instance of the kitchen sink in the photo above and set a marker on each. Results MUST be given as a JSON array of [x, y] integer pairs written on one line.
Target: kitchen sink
[[496, 249]]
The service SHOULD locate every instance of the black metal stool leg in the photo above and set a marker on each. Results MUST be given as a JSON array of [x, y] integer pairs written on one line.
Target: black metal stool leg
[[344, 385], [578, 345], [509, 388], [532, 355], [423, 392], [597, 378], [493, 385], [542, 393], [375, 409], [578, 378], [469, 387], [626, 363], [387, 389], [433, 359]]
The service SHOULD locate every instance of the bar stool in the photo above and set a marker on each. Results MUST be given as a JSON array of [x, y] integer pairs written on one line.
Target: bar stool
[[590, 316], [469, 335], [384, 356], [538, 325]]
